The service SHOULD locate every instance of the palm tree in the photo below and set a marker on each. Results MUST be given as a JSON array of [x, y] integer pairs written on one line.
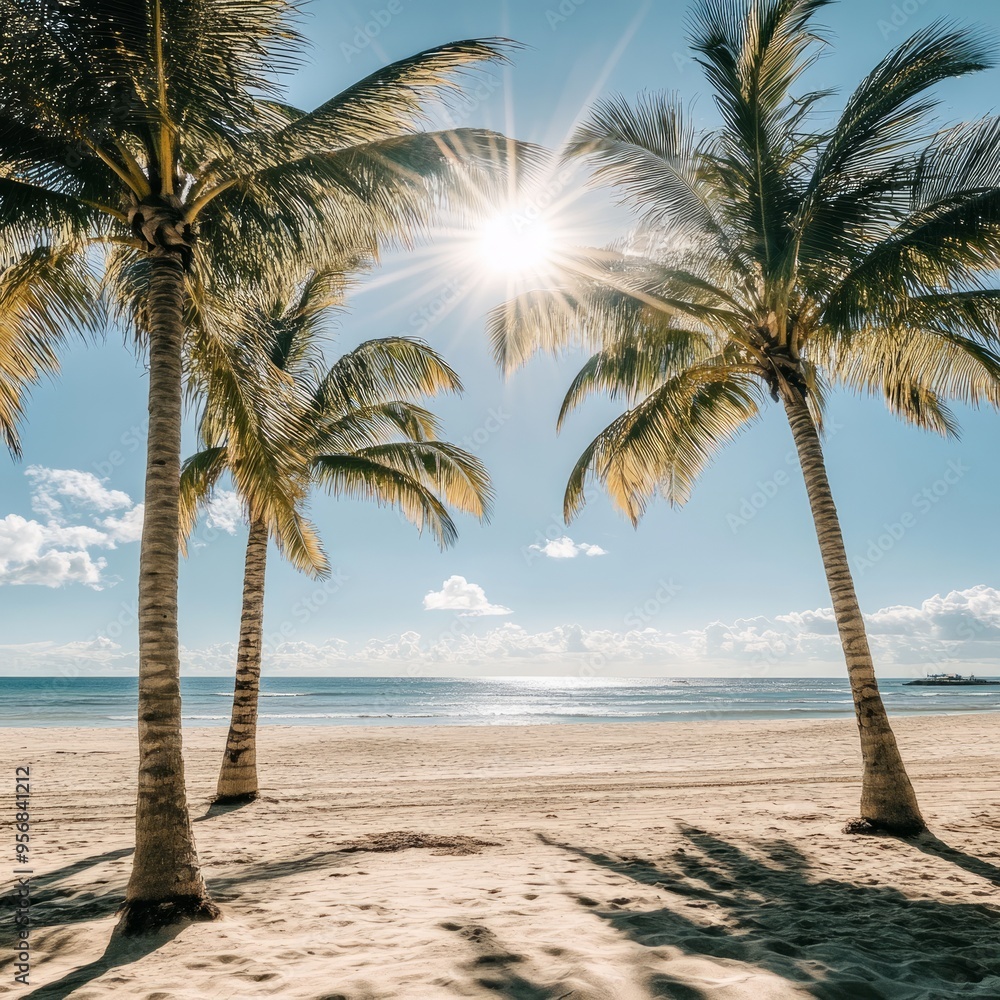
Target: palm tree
[[157, 130], [774, 260], [354, 429]]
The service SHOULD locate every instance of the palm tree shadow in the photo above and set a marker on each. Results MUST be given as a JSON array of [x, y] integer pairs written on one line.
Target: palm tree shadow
[[834, 940], [82, 865], [496, 969], [930, 844], [674, 989], [53, 906], [119, 952], [515, 987], [222, 808]]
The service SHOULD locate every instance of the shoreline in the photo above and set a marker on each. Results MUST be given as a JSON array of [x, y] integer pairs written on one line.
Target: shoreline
[[415, 703], [405, 722]]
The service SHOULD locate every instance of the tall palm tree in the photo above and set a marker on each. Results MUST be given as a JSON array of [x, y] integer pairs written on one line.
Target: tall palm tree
[[157, 130], [775, 258], [354, 428]]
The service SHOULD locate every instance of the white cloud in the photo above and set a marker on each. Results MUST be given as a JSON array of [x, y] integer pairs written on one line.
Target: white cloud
[[955, 631], [28, 556], [127, 528], [67, 660], [566, 548], [224, 512], [468, 599], [83, 489], [55, 551]]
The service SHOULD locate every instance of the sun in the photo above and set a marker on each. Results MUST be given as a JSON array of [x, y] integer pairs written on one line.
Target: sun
[[514, 246]]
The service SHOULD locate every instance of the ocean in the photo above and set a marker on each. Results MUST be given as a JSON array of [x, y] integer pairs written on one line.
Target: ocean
[[395, 701]]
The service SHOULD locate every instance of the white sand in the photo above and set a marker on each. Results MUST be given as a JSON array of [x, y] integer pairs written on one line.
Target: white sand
[[631, 861]]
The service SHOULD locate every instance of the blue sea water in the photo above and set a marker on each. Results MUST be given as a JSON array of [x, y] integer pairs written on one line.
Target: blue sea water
[[111, 701]]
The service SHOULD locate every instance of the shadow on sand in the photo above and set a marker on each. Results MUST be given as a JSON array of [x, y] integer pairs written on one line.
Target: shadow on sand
[[52, 906], [493, 967], [221, 809], [834, 940], [55, 908], [81, 866], [119, 952], [504, 982], [930, 844]]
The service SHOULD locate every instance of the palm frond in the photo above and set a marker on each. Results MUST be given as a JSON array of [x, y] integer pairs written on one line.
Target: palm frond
[[948, 236], [752, 54], [379, 423], [602, 295], [46, 295], [882, 115], [630, 368], [369, 195], [663, 444], [649, 152], [298, 541], [455, 476], [390, 101], [199, 475], [383, 370], [361, 478], [916, 368]]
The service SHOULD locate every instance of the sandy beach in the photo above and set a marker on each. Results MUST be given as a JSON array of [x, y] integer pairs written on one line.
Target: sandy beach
[[566, 862]]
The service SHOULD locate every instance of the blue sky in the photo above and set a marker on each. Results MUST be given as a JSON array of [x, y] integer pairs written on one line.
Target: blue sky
[[723, 585]]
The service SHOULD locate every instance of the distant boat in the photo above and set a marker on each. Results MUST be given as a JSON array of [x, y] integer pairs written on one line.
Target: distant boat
[[950, 680]]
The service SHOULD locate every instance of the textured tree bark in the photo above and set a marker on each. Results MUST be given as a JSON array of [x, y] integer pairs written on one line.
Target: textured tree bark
[[166, 884], [888, 802], [238, 775]]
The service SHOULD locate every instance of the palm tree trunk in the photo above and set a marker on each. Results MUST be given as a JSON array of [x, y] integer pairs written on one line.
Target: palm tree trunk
[[887, 799], [238, 776], [166, 883]]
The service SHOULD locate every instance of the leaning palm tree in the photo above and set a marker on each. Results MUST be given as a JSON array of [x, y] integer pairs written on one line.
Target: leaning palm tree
[[774, 259], [157, 130], [354, 428]]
